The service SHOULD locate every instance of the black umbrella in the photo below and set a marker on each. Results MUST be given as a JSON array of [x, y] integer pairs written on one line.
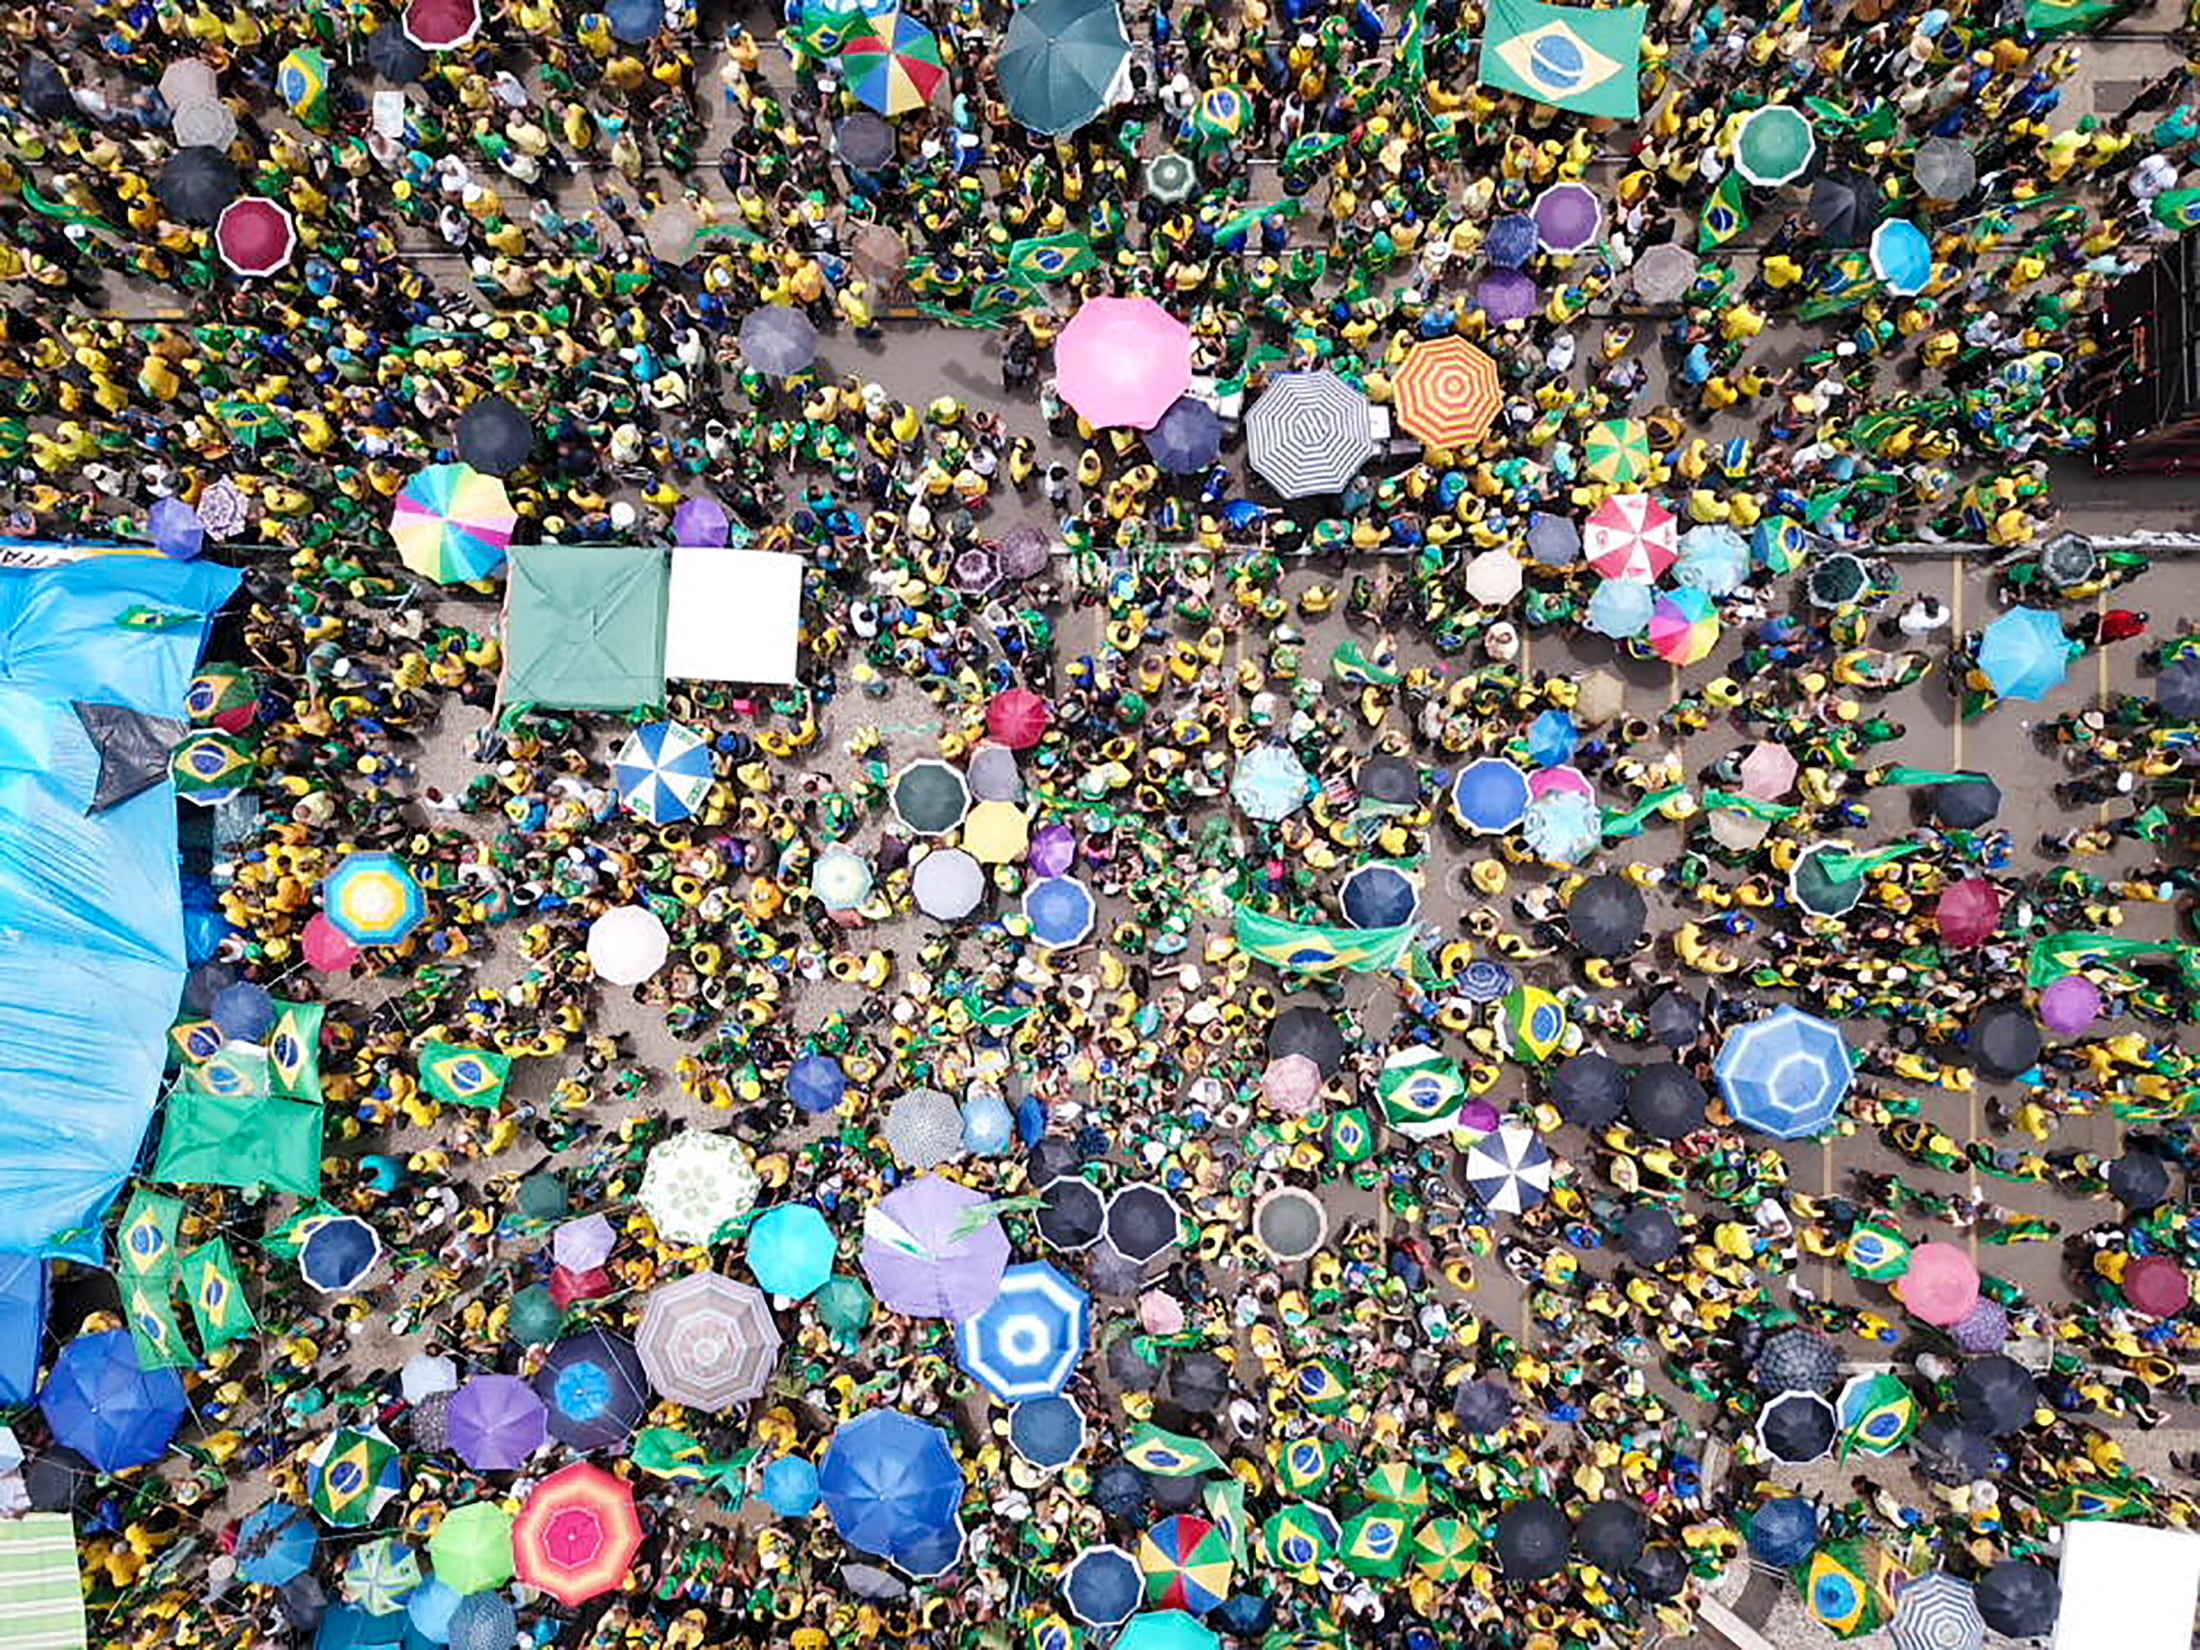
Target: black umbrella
[[1996, 1394], [1948, 1452], [1967, 804], [1071, 1213], [1649, 1234], [1389, 779], [1483, 1407], [494, 436], [1142, 1222], [1676, 1019], [1199, 1381], [2005, 1041], [45, 93], [393, 57], [58, 1479], [1178, 1494], [2021, 1600], [196, 183], [133, 751], [1797, 1427], [1112, 1274], [1052, 1158], [864, 141], [1660, 1573], [2139, 1181], [2177, 690], [1589, 1089], [1132, 1369], [1843, 207], [304, 1601], [1187, 437], [1610, 1535], [1120, 1490], [1798, 1360], [1311, 1031], [593, 1385], [1665, 1102], [1532, 1539], [1606, 916]]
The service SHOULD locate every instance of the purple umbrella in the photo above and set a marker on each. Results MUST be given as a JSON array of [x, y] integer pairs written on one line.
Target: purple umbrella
[[701, 523], [1512, 241], [1053, 850], [1568, 217], [1187, 438], [1507, 295], [497, 1422], [933, 1249], [177, 531], [1025, 551], [1983, 1329], [2069, 1007]]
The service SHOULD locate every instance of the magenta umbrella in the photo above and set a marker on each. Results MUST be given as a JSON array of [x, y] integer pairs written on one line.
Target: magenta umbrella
[[934, 1249], [1122, 362], [497, 1423], [255, 236], [1968, 913], [1567, 217], [2069, 1007]]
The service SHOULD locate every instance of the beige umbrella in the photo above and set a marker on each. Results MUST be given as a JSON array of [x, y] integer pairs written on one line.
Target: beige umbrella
[[187, 80], [1603, 696], [879, 255], [672, 230], [1493, 578], [996, 833], [204, 122], [1731, 828]]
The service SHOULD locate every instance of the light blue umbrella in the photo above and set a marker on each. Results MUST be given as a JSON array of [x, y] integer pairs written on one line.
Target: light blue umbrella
[[790, 1487], [1562, 827], [1490, 795], [1271, 784], [988, 1125], [1552, 739], [790, 1250], [1028, 1343], [1714, 559], [1785, 1075], [1620, 609], [2025, 654], [429, 1608], [1061, 912], [664, 771], [276, 1544], [1902, 257]]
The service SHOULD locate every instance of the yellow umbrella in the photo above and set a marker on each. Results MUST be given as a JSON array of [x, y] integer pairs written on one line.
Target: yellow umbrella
[[996, 833]]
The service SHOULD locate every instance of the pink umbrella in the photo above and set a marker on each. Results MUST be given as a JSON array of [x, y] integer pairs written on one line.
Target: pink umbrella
[[442, 25], [1631, 536], [1941, 1285], [1121, 362], [1556, 781], [326, 947], [1768, 771], [1291, 1083], [2157, 1286], [1018, 718], [2069, 1007], [255, 236], [1968, 913]]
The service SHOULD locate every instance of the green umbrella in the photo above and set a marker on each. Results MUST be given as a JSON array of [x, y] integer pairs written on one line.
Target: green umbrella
[[1299, 1538], [1813, 884], [1377, 1542], [1617, 451], [1059, 62], [1398, 1485], [1444, 1549], [378, 1575], [1171, 177], [1775, 146], [1304, 1466], [844, 1305], [472, 1548]]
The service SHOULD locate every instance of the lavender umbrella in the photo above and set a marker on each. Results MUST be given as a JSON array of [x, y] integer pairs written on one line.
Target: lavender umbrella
[[1567, 217], [497, 1422], [1053, 850], [1983, 1329], [701, 523], [934, 1249], [2069, 1007], [1025, 551], [1507, 295]]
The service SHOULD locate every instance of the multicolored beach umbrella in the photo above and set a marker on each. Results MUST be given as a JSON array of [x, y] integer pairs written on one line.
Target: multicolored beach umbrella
[[1187, 1564], [372, 899], [894, 66], [452, 524], [664, 771]]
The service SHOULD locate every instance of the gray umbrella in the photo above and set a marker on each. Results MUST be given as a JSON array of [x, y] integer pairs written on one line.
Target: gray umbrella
[[494, 436], [1532, 1540], [1071, 1213], [925, 1129], [393, 57], [1025, 551], [1666, 1102], [1199, 1381], [1649, 1234], [1661, 1572], [196, 183], [2139, 1181], [2177, 690], [1554, 541], [1945, 169], [202, 123], [880, 255], [1967, 804], [1111, 1272], [1483, 1407], [949, 884], [1131, 1368], [778, 340], [2005, 1041], [1311, 1031], [1663, 272], [993, 775], [428, 1423], [1589, 1089], [1798, 1360], [1948, 1452], [1606, 916], [864, 141], [2069, 559], [1390, 780]]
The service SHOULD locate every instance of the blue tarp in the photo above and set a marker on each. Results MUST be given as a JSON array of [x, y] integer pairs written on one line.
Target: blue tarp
[[92, 963], [22, 1326]]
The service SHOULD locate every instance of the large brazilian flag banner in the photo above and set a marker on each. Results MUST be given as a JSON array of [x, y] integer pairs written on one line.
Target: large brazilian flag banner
[[1586, 59]]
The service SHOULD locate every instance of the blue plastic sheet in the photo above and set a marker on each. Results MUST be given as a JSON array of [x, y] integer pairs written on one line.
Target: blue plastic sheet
[[90, 904], [22, 1326]]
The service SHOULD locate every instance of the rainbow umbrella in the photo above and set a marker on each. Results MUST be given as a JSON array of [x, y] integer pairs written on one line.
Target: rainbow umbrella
[[1617, 451], [1684, 627], [1187, 1564], [301, 81], [372, 899], [894, 66], [453, 524]]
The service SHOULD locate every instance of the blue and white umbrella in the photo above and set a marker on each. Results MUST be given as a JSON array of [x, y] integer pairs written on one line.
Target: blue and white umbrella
[[664, 771], [1061, 912], [1785, 1075], [1714, 559], [1380, 896], [1028, 1343], [1562, 827], [1490, 795], [1103, 1587], [1271, 783], [1508, 1171], [1937, 1612]]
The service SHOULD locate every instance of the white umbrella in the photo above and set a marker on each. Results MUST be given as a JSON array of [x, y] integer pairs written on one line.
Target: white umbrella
[[628, 944], [1493, 577], [425, 1375], [949, 884]]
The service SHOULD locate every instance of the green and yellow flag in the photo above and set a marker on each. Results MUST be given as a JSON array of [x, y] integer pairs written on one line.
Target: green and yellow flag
[[460, 1075], [1314, 948], [294, 1050], [211, 1285], [1582, 58], [1045, 258], [1725, 214]]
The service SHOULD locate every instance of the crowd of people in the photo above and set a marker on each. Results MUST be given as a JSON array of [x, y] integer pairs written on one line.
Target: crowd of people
[[573, 217]]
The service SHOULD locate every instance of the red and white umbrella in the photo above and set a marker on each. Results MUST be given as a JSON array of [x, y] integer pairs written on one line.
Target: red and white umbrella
[[442, 25], [1631, 536], [255, 236]]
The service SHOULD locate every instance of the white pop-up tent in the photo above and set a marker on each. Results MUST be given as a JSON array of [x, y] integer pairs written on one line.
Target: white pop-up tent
[[2127, 1587], [733, 616]]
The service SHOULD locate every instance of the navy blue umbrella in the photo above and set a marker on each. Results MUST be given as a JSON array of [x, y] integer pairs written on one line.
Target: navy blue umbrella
[[635, 21], [1120, 1490], [1103, 1586], [593, 1386], [1187, 438], [1380, 896], [1047, 1432], [1512, 241], [1784, 1532]]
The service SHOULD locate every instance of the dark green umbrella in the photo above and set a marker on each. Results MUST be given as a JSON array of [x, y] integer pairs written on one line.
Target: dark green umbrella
[[1060, 62]]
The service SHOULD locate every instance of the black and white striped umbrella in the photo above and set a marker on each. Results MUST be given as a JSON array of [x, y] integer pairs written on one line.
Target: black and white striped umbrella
[[1508, 1171], [1938, 1612], [1309, 433]]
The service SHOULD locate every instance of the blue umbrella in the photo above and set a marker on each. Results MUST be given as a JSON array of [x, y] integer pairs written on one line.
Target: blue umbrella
[[1714, 559], [338, 1254], [429, 1609], [276, 1544], [1552, 739], [890, 1481], [1554, 541], [484, 1621], [1028, 1343], [1784, 1532], [1784, 1075], [790, 1486], [790, 1250], [1271, 783], [594, 1388], [1187, 438], [1103, 1586], [1490, 795], [664, 771], [346, 1627], [1061, 912], [1902, 257], [1620, 609], [635, 21], [1562, 827], [816, 1083], [1047, 1432], [102, 1404], [177, 531], [989, 1127], [1512, 241], [1380, 896], [2025, 654]]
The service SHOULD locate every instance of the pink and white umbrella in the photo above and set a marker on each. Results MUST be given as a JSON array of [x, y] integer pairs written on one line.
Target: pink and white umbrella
[[1122, 362], [255, 236], [1631, 536], [1768, 771]]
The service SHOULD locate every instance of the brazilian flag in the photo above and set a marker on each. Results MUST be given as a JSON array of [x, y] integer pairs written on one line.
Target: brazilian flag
[[1581, 58], [1314, 948], [1725, 214], [2046, 18], [145, 1243], [294, 1050], [1167, 1454], [1045, 258], [459, 1075], [153, 1326], [235, 1071], [825, 30], [217, 1300]]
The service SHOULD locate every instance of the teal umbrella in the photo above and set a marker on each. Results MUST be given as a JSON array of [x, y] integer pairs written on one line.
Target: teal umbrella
[[1060, 62]]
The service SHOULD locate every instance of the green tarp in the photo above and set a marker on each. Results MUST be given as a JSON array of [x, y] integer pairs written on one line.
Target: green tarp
[[41, 1594], [1582, 58], [584, 627], [240, 1140]]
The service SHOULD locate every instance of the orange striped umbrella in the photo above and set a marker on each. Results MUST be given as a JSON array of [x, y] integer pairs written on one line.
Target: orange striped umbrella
[[1447, 393], [578, 1534]]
